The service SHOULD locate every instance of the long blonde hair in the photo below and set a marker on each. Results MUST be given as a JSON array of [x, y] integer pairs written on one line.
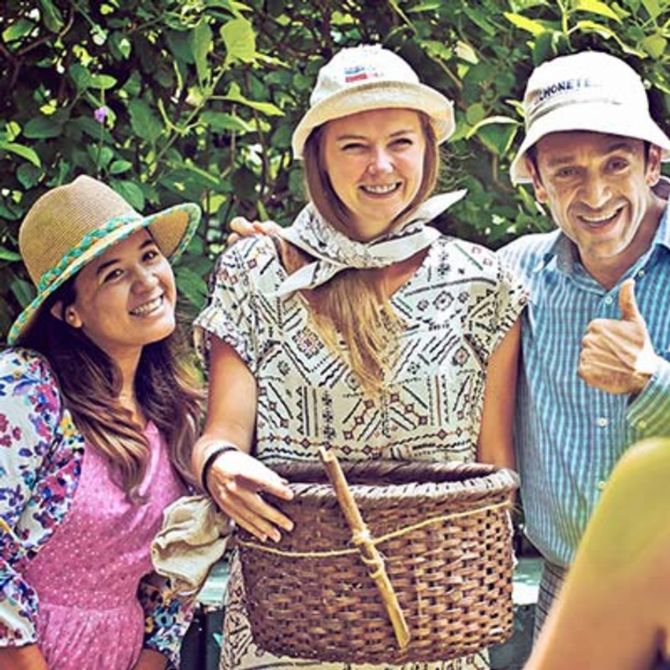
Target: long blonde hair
[[354, 305], [90, 382]]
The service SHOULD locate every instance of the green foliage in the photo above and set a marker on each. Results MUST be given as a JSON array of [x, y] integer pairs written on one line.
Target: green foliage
[[196, 100]]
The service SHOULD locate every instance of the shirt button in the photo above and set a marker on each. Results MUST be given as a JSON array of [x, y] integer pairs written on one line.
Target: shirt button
[[602, 421], [640, 273], [642, 424], [601, 485], [608, 300]]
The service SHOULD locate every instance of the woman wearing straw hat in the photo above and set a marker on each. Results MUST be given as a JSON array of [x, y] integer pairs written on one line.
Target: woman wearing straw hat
[[97, 418], [361, 328]]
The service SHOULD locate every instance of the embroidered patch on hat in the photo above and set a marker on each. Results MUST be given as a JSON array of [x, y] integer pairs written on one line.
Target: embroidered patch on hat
[[355, 73]]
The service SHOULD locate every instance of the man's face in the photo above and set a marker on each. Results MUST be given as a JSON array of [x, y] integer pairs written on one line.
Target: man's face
[[597, 187]]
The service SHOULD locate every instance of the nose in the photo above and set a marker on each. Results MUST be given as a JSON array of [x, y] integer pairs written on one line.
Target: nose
[[145, 279], [595, 191], [381, 162]]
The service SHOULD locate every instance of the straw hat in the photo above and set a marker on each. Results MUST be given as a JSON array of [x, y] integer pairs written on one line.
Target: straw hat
[[71, 225], [369, 77], [590, 91]]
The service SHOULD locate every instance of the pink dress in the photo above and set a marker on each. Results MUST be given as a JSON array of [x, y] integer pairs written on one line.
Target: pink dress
[[87, 576]]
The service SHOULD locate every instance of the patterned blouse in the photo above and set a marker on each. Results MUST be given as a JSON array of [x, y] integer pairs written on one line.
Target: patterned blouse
[[41, 454], [456, 309]]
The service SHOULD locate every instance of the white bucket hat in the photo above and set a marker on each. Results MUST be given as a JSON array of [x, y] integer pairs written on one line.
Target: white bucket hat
[[368, 77], [589, 91]]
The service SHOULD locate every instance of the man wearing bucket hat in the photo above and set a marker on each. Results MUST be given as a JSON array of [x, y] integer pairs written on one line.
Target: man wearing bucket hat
[[363, 329], [596, 335], [97, 418]]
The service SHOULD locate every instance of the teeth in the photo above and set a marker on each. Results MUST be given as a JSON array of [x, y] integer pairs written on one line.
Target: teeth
[[147, 307], [599, 219], [380, 189]]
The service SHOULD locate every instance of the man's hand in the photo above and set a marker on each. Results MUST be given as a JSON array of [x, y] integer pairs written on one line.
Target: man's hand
[[241, 227], [617, 355]]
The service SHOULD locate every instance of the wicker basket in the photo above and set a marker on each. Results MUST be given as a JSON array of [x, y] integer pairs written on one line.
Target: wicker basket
[[311, 596]]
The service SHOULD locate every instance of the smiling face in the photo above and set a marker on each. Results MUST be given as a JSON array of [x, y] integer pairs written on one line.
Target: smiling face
[[598, 188], [126, 298], [375, 164]]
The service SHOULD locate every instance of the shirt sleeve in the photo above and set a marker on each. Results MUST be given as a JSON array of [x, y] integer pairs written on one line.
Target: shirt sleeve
[[30, 410], [167, 617], [511, 298], [649, 412], [229, 315]]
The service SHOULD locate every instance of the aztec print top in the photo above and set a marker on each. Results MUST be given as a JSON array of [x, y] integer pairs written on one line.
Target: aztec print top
[[457, 307]]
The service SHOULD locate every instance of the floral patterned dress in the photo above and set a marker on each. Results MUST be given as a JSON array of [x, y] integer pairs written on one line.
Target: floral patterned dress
[[456, 309], [75, 568]]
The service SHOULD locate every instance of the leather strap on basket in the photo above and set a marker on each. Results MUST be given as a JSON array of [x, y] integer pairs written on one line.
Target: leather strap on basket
[[369, 553]]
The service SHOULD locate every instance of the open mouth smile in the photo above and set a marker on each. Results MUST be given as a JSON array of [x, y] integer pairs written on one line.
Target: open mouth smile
[[148, 307], [380, 189], [599, 220]]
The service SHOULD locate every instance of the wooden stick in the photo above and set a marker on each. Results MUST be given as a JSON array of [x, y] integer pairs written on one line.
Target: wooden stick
[[363, 540]]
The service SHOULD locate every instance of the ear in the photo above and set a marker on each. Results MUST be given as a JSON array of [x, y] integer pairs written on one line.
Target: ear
[[653, 171], [538, 186], [71, 316]]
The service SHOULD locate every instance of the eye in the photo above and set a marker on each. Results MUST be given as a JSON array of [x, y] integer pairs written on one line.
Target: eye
[[353, 147], [566, 172], [402, 142], [114, 274], [617, 164], [151, 254]]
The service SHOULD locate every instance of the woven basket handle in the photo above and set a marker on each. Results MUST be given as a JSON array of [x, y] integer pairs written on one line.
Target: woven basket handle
[[363, 540]]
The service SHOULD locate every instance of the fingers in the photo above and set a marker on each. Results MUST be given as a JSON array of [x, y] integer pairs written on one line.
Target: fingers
[[628, 303]]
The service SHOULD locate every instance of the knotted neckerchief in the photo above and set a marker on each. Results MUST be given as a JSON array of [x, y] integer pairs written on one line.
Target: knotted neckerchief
[[335, 252]]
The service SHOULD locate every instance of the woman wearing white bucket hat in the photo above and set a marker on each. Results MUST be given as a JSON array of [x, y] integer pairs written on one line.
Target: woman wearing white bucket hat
[[97, 418], [363, 328]]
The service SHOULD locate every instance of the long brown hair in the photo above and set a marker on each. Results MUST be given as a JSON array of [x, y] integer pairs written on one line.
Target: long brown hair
[[90, 382], [354, 303]]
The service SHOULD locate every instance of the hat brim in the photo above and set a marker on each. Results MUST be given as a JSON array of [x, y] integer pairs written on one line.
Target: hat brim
[[596, 118], [378, 95], [172, 229]]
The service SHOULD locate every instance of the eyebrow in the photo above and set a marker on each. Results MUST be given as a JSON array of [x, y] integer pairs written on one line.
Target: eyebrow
[[103, 266], [569, 158], [342, 138]]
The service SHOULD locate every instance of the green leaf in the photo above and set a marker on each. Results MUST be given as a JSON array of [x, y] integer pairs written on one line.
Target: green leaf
[[130, 191], [9, 255], [17, 30], [81, 76], [475, 113], [654, 45], [479, 19], [219, 121], [28, 175], [653, 8], [201, 45], [144, 122], [42, 127], [492, 120], [120, 46], [192, 286], [607, 33], [240, 41], [235, 95], [51, 16], [497, 137], [596, 7], [533, 27], [23, 151], [23, 291], [120, 166], [103, 81]]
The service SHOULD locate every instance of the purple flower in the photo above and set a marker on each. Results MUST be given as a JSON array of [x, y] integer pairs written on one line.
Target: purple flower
[[100, 114]]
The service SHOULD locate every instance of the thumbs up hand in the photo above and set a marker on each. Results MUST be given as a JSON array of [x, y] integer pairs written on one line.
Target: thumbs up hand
[[617, 354]]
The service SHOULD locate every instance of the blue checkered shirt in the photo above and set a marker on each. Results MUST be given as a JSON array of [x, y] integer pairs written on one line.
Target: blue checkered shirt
[[568, 436]]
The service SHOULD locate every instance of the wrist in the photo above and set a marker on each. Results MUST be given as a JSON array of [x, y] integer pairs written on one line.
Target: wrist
[[217, 449]]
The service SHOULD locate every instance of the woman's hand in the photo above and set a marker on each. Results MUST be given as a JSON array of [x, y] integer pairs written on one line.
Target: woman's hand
[[236, 480], [241, 227], [22, 658]]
